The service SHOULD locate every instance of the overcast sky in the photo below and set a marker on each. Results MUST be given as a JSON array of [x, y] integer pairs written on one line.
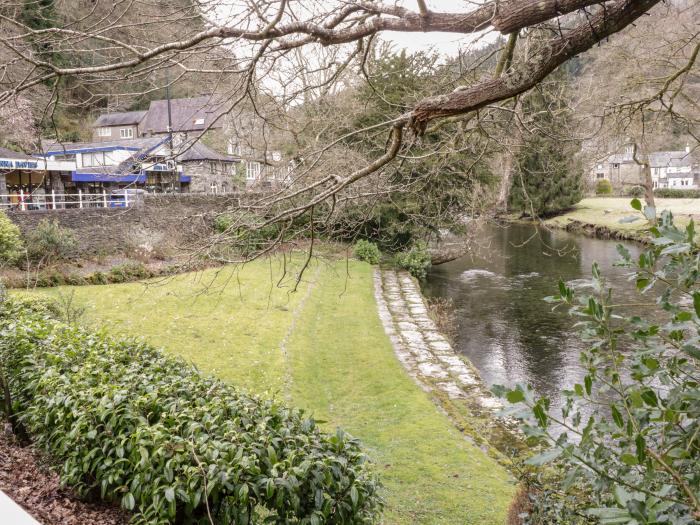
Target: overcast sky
[[445, 43]]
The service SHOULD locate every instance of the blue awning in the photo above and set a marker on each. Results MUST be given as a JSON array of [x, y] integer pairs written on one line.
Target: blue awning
[[185, 178], [106, 177]]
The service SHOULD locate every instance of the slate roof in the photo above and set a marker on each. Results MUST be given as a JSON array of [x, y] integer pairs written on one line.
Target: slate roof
[[198, 151], [136, 144], [187, 114], [119, 119], [9, 154], [673, 159]]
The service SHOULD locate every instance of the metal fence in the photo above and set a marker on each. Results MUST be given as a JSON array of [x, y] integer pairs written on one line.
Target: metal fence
[[60, 201]]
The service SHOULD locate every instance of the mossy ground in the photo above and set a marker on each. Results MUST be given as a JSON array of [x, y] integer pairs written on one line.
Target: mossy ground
[[324, 349]]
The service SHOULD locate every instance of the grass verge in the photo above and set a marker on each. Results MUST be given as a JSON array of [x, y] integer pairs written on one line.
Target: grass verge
[[606, 212], [324, 349]]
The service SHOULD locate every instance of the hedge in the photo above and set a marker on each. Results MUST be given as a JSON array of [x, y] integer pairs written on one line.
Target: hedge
[[130, 424], [671, 193]]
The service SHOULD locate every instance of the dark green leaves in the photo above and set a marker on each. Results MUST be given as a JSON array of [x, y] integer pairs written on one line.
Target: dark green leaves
[[636, 204], [153, 434]]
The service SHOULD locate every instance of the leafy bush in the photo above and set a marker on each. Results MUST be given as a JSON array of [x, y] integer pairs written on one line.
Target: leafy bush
[[11, 244], [367, 251], [673, 193], [49, 241], [417, 260], [634, 191], [603, 187], [246, 231], [130, 424], [629, 451], [128, 272]]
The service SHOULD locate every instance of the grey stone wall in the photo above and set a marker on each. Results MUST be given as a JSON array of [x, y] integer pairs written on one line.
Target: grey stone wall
[[161, 224], [206, 173]]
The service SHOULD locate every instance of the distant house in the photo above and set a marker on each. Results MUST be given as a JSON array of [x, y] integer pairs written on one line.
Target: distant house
[[620, 169], [116, 126], [669, 169], [673, 169], [219, 151]]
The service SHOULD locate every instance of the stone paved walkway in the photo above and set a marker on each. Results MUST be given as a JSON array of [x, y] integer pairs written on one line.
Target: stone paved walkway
[[430, 360]]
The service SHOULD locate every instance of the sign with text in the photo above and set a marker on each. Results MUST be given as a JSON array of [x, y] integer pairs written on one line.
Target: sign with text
[[22, 164]]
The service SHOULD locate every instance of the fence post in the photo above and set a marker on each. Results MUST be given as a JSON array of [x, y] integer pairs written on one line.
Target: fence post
[[126, 198], [53, 199], [104, 197], [80, 199], [22, 206]]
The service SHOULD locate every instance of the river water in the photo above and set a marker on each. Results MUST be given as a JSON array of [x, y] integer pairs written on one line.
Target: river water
[[504, 326]]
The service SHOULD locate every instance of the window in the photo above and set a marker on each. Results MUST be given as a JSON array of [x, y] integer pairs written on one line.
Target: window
[[615, 165], [600, 175], [126, 133], [213, 188], [96, 158], [199, 122], [104, 132], [100, 158], [252, 171], [234, 148]]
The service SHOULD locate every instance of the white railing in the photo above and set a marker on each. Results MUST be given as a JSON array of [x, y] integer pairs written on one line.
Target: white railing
[[59, 201]]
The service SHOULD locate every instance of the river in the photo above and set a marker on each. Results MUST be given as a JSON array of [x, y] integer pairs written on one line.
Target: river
[[504, 326]]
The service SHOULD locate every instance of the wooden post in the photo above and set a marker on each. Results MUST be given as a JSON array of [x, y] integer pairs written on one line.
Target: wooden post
[[126, 198], [104, 197], [80, 199], [22, 206], [53, 199]]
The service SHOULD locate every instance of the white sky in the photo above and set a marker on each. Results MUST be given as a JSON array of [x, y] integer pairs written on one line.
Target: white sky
[[444, 43]]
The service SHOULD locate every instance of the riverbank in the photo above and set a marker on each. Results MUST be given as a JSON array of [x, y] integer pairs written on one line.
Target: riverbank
[[600, 217], [323, 349]]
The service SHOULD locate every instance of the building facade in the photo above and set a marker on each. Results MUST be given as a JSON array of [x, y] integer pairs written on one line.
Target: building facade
[[669, 169], [219, 149]]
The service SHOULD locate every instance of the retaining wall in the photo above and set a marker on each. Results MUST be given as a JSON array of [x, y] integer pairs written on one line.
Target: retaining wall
[[160, 222]]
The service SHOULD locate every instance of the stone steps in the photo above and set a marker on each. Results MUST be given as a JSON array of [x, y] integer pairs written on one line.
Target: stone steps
[[424, 352]]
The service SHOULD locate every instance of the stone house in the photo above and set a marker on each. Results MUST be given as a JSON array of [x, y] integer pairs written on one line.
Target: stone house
[[669, 169], [116, 126], [212, 138], [674, 169]]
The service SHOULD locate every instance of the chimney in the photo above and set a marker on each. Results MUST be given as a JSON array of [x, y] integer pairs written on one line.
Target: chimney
[[687, 147]]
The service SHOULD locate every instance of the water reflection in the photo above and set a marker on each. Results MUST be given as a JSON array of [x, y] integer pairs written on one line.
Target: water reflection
[[504, 326]]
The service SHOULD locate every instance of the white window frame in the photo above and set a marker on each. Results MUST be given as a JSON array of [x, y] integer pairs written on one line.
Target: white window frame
[[104, 132], [199, 122], [126, 133], [252, 170]]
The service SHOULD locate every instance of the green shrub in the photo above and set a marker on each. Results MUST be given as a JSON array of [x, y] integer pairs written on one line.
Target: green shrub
[[245, 231], [49, 278], [675, 193], [367, 251], [634, 191], [132, 271], [11, 245], [98, 278], [132, 425], [603, 187], [417, 260], [49, 241]]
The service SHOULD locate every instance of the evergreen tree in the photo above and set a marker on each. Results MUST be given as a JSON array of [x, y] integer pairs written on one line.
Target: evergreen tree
[[548, 175]]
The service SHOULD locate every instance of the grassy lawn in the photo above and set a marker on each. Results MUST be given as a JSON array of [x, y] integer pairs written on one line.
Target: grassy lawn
[[607, 211], [324, 349]]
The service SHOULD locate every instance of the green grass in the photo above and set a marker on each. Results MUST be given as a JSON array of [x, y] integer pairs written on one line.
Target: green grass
[[324, 349], [607, 211]]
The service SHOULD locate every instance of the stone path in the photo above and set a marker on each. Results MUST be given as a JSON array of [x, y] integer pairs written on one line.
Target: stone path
[[430, 360]]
